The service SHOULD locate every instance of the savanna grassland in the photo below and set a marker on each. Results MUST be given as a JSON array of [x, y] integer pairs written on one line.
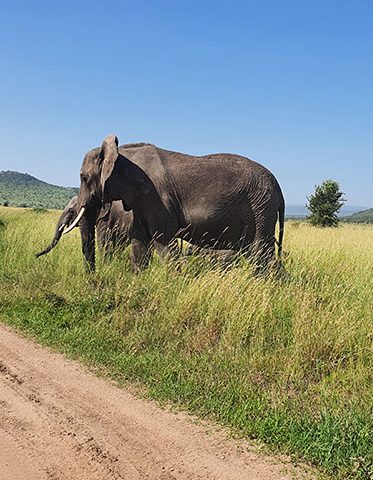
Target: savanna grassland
[[287, 360]]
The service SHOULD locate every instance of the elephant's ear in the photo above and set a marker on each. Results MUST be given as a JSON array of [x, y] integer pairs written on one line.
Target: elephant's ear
[[108, 156]]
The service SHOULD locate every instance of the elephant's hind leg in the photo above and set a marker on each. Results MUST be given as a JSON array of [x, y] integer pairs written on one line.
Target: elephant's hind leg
[[262, 249]]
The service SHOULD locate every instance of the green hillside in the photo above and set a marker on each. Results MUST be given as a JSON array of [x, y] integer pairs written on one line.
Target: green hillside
[[365, 216], [23, 190]]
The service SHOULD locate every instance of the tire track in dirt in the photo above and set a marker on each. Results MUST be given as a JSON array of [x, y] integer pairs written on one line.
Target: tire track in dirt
[[60, 422]]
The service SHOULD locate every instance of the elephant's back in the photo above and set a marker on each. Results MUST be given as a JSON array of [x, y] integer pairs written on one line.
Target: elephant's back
[[147, 153], [222, 168]]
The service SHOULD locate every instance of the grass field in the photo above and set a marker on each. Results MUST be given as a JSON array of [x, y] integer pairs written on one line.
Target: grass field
[[287, 361]]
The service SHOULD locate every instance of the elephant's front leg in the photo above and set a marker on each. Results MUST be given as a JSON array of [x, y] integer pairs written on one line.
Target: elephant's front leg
[[140, 254], [87, 231]]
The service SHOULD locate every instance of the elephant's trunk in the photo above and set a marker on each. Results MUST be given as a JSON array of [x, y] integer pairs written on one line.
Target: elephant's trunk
[[66, 218], [56, 238]]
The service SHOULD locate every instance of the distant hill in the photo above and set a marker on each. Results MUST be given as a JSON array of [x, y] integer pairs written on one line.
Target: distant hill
[[23, 190], [300, 211], [296, 211], [364, 216]]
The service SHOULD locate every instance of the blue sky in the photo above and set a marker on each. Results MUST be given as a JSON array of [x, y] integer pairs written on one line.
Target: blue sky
[[286, 83]]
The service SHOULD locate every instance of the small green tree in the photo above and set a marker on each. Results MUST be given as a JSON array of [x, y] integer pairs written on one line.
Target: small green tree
[[325, 203]]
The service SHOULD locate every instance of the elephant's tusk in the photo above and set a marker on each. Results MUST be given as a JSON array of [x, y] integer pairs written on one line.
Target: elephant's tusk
[[75, 222], [62, 227]]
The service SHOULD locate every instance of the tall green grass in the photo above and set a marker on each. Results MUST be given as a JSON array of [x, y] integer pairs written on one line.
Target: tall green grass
[[287, 361]]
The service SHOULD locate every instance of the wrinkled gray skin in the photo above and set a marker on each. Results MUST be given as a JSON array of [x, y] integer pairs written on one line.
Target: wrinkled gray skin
[[112, 228], [220, 201]]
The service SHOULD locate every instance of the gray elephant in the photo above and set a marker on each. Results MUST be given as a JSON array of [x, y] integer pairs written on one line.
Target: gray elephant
[[219, 201], [112, 227]]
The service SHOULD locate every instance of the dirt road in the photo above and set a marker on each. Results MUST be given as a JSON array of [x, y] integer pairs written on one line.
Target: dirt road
[[59, 422]]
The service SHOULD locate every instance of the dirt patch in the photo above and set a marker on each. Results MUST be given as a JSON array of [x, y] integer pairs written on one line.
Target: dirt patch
[[60, 422]]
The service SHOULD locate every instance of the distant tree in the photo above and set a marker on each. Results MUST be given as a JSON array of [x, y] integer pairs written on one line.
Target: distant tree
[[6, 203], [325, 203]]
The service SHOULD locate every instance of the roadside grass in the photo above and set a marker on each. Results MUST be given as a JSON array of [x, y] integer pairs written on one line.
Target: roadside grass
[[286, 361]]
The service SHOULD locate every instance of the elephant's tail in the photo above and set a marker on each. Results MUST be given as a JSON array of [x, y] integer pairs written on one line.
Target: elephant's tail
[[281, 220]]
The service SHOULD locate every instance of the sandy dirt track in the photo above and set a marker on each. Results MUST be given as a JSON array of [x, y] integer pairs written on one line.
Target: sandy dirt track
[[58, 422]]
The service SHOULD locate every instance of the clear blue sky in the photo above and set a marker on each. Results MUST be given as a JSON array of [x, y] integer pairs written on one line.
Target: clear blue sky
[[286, 83]]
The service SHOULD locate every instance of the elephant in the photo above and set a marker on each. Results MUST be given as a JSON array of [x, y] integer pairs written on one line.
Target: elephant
[[112, 227], [219, 201]]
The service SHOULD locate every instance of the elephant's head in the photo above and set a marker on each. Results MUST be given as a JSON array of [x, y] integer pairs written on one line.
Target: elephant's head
[[106, 175], [97, 189], [66, 219]]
